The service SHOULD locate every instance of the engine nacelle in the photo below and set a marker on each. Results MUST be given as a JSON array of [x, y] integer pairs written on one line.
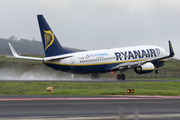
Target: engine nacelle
[[146, 68]]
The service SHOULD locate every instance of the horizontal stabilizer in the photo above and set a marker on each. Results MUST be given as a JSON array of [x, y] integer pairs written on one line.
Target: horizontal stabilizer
[[34, 58], [57, 57], [23, 57]]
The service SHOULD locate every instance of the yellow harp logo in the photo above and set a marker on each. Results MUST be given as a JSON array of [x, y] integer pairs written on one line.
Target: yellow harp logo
[[49, 38]]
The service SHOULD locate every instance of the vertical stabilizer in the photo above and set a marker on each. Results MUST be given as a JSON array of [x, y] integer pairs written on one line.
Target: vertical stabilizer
[[51, 45], [171, 49]]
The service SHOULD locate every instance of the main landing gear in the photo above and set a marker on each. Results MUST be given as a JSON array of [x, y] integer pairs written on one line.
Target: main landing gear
[[121, 77], [95, 76], [157, 71]]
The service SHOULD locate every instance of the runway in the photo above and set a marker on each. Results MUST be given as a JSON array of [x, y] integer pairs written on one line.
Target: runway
[[89, 107], [88, 80]]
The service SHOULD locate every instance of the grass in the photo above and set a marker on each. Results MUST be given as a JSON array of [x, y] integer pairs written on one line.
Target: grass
[[172, 64], [74, 88]]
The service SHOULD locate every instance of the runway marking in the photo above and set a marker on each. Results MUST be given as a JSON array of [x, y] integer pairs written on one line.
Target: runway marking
[[150, 116], [98, 98]]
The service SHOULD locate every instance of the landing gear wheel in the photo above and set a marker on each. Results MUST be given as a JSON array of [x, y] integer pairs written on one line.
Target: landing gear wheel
[[95, 76], [157, 71], [118, 77], [121, 77], [92, 77]]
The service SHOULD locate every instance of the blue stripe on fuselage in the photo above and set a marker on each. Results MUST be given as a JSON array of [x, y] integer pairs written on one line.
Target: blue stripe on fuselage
[[87, 69], [102, 68]]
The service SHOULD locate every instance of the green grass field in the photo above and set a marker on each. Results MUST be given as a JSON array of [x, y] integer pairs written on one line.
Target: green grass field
[[74, 88]]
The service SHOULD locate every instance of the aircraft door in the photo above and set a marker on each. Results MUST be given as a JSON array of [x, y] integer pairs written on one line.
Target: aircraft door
[[72, 63]]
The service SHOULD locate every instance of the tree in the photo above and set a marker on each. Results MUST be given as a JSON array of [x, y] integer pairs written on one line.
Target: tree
[[13, 37]]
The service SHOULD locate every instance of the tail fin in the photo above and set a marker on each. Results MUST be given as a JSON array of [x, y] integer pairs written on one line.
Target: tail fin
[[171, 49], [52, 47]]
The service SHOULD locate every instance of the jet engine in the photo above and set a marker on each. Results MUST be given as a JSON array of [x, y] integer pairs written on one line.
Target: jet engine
[[146, 68]]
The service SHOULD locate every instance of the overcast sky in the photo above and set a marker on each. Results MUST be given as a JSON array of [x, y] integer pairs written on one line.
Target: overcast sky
[[95, 24]]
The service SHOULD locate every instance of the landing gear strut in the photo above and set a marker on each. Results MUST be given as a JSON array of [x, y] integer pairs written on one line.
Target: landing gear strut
[[95, 76], [121, 77], [157, 71]]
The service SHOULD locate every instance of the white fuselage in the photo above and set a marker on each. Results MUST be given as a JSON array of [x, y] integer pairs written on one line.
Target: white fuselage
[[106, 58]]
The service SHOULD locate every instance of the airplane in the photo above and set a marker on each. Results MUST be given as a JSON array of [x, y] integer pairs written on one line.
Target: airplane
[[143, 59]]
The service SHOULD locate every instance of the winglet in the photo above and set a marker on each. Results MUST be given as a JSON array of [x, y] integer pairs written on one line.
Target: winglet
[[171, 50], [13, 51]]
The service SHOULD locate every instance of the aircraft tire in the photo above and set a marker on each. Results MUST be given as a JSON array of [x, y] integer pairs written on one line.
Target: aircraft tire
[[94, 76], [118, 77], [157, 71], [123, 77], [97, 77]]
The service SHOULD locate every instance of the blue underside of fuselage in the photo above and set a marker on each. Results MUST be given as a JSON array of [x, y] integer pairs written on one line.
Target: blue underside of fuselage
[[158, 63], [83, 69], [92, 68]]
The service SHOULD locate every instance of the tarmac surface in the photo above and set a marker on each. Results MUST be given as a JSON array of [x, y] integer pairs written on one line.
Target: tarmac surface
[[88, 80], [89, 107], [69, 107]]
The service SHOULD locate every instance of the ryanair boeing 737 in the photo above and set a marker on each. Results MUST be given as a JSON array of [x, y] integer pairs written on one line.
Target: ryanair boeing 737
[[143, 59]]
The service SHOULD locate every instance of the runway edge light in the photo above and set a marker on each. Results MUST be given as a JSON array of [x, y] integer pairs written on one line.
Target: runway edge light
[[129, 91]]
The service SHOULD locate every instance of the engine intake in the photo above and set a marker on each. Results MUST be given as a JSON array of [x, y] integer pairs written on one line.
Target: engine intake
[[146, 68]]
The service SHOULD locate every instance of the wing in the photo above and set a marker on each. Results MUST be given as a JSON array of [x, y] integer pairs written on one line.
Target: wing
[[128, 65]]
